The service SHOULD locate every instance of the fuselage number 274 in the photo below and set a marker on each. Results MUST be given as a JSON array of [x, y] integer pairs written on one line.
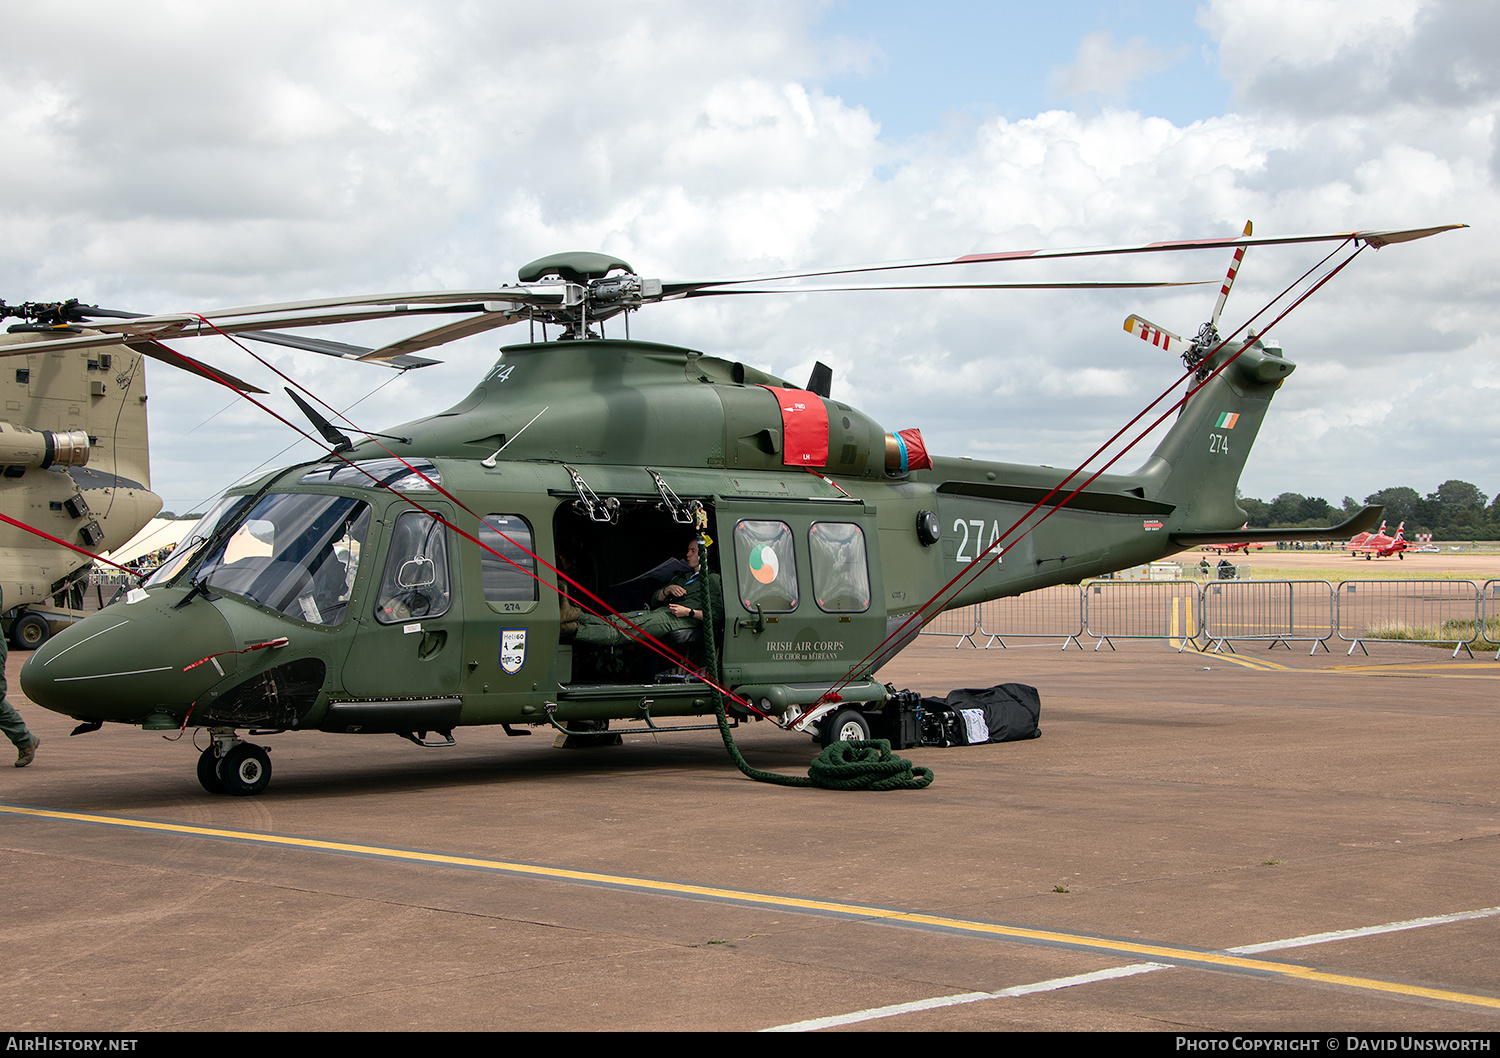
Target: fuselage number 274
[[961, 526]]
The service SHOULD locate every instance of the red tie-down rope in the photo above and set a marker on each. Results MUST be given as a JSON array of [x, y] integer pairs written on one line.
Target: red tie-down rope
[[975, 570], [137, 574], [619, 622]]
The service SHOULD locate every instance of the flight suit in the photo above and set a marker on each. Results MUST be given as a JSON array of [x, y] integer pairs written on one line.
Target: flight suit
[[10, 721], [657, 621]]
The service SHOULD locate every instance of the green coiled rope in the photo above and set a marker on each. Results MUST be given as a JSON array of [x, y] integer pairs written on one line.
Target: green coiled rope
[[841, 766]]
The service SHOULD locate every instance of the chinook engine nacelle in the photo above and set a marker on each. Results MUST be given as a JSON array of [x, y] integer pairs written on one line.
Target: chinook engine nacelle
[[20, 447]]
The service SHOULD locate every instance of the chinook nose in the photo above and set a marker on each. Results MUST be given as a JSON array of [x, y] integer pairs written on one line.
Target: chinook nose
[[131, 660]]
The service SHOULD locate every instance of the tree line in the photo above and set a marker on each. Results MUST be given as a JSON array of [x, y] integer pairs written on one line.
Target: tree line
[[1457, 510]]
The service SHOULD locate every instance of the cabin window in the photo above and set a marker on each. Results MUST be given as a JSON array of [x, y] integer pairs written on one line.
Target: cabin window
[[415, 581], [767, 565], [840, 570], [508, 576]]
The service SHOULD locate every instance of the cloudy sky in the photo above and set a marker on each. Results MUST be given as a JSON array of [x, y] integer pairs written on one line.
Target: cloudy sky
[[169, 156]]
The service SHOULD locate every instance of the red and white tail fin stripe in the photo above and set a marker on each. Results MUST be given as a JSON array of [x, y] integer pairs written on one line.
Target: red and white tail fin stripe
[[1234, 268], [1401, 531], [1149, 332]]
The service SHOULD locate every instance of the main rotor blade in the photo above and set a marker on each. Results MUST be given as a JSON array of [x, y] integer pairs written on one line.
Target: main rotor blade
[[449, 332], [86, 314], [181, 326], [1374, 238], [429, 297], [803, 289], [331, 348], [167, 355]]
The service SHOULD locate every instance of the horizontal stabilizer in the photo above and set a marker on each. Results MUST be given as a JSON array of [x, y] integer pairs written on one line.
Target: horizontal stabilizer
[[1362, 522]]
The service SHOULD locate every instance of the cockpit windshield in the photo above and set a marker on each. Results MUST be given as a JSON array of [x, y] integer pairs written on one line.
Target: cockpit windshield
[[296, 553], [193, 542], [403, 475]]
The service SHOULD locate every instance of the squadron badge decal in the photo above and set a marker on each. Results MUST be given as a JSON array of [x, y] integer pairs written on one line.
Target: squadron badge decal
[[512, 650]]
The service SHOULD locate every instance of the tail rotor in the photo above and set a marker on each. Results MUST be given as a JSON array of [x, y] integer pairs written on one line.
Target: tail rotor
[[1194, 351]]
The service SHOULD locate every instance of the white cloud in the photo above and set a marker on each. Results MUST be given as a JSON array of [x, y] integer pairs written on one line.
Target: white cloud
[[175, 158], [1105, 68]]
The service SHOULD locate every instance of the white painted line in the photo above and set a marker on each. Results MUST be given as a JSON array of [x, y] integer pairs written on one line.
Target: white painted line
[[966, 997], [80, 643], [1367, 931], [937, 1002], [107, 675]]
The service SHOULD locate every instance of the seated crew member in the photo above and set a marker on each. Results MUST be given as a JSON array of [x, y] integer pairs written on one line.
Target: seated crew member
[[677, 604]]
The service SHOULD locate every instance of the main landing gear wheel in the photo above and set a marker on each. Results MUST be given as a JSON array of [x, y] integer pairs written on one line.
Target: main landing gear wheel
[[846, 725], [29, 631], [208, 771], [245, 770]]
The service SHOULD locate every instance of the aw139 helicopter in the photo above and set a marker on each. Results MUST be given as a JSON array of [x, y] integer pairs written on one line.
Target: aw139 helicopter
[[410, 584]]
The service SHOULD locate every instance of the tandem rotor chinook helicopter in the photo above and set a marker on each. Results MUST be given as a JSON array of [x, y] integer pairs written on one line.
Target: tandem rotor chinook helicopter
[[410, 585]]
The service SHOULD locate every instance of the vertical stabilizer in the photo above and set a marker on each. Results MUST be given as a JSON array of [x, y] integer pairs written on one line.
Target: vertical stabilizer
[[1197, 466]]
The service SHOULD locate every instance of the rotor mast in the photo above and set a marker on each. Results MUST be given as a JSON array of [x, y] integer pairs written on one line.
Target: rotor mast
[[594, 288]]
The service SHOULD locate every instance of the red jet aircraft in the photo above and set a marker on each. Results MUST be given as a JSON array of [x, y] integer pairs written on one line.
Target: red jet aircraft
[[1379, 545]]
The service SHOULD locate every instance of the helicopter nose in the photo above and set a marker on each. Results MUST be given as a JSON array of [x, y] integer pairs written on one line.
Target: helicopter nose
[[132, 660]]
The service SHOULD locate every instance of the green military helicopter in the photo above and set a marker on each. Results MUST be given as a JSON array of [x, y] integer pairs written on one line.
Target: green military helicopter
[[431, 579]]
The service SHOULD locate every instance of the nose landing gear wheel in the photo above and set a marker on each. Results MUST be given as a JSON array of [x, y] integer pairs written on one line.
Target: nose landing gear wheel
[[208, 772], [244, 770]]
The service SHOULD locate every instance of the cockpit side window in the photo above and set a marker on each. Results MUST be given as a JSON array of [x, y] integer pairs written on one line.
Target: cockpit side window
[[415, 582]]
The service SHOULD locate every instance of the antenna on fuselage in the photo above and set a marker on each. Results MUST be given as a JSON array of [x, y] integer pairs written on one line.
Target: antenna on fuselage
[[489, 463]]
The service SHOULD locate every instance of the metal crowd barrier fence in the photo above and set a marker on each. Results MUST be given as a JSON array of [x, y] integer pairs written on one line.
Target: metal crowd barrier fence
[[1414, 611], [962, 623], [1281, 611], [1489, 610], [1169, 610], [1047, 613]]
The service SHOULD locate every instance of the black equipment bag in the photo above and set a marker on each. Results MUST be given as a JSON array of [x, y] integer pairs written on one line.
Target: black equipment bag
[[1012, 711]]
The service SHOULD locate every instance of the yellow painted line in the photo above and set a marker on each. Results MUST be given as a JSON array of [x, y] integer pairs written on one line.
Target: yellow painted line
[[1448, 666], [1156, 952], [1258, 664], [1435, 671]]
